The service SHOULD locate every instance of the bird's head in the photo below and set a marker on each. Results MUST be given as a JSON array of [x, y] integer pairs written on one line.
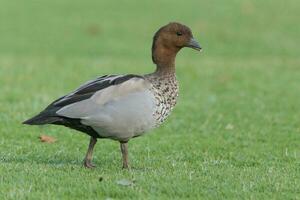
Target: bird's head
[[172, 37]]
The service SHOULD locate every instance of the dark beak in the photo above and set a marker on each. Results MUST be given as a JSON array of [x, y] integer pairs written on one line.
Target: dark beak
[[194, 45]]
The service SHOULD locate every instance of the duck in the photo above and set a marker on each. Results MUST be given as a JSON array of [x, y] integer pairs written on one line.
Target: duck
[[122, 107]]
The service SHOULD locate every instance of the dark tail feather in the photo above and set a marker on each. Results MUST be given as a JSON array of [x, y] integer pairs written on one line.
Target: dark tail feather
[[41, 119], [46, 117]]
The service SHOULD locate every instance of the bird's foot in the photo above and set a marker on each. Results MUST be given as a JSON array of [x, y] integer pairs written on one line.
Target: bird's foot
[[126, 167], [88, 164]]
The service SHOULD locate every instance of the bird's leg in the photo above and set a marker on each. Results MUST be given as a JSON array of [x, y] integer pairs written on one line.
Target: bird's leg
[[88, 158], [124, 150]]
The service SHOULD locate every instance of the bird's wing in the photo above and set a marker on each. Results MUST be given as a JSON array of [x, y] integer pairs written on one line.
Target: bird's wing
[[89, 88], [91, 96]]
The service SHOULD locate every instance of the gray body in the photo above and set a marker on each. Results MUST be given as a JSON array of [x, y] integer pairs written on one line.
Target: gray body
[[116, 107], [118, 112]]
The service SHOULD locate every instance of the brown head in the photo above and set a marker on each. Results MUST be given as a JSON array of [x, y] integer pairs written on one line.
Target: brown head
[[167, 41]]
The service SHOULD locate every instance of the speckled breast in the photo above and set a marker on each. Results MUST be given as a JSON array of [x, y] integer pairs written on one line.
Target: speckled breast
[[165, 90]]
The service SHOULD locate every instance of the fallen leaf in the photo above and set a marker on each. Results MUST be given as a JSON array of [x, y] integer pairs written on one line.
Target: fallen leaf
[[47, 139], [125, 182], [93, 30]]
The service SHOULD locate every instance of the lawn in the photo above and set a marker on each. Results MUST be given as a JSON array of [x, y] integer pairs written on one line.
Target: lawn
[[234, 134]]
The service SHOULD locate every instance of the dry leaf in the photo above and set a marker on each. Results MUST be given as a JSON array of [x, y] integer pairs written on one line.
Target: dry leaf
[[47, 139], [93, 30]]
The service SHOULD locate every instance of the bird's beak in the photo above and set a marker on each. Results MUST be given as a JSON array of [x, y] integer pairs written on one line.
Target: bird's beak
[[194, 45]]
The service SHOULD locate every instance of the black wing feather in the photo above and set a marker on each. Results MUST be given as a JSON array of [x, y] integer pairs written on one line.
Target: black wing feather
[[87, 90]]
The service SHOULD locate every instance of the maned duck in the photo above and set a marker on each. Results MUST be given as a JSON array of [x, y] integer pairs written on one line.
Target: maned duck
[[121, 107]]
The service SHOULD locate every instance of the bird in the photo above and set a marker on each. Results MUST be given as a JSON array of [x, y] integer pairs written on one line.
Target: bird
[[122, 107]]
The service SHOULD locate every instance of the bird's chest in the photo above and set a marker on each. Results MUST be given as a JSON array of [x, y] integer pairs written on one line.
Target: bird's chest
[[166, 93]]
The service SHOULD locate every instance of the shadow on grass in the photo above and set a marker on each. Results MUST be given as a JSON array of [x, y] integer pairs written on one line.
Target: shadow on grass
[[57, 161]]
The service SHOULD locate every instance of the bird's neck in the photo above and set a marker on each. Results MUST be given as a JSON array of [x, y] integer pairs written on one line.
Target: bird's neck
[[165, 70], [164, 58]]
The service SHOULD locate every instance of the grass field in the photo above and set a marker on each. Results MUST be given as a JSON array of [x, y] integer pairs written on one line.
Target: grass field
[[234, 134]]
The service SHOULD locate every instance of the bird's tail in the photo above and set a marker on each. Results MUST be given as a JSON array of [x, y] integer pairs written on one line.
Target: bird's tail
[[41, 119]]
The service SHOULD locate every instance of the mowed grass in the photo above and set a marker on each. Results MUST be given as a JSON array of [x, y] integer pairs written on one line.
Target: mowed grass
[[234, 134]]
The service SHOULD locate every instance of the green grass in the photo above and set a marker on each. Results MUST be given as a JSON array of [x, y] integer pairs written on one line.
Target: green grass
[[236, 129]]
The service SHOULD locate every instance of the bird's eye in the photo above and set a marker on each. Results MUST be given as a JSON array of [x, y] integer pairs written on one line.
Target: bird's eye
[[178, 33]]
